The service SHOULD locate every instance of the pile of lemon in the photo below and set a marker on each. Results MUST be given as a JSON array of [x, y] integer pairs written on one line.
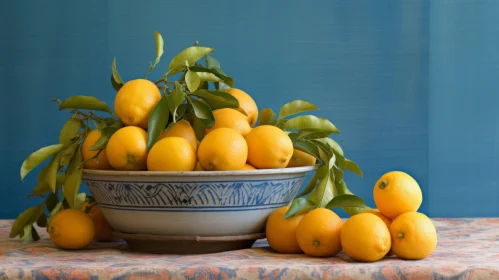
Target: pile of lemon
[[232, 143], [394, 228]]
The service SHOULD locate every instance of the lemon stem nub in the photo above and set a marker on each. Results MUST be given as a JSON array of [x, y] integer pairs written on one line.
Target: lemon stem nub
[[316, 243], [383, 184], [400, 235]]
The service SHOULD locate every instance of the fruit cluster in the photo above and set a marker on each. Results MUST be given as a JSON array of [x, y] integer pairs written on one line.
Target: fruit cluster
[[395, 228]]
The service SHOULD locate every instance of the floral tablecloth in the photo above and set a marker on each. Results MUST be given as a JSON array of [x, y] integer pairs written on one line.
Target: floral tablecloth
[[467, 249]]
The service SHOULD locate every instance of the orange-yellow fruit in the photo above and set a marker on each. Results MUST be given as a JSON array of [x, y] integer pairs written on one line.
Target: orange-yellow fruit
[[385, 220], [414, 236], [100, 162], [247, 103], [103, 230], [135, 101], [222, 149], [268, 147], [230, 118], [248, 167], [318, 233], [395, 193], [281, 232], [365, 238], [300, 158], [171, 154], [71, 229], [182, 129], [126, 149]]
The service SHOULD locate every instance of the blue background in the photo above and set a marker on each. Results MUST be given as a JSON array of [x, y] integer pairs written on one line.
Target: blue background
[[412, 85]]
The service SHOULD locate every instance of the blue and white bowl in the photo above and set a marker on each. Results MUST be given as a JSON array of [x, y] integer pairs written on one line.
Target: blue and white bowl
[[193, 204]]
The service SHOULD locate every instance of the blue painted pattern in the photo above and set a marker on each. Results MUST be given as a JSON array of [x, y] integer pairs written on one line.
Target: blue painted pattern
[[195, 194]]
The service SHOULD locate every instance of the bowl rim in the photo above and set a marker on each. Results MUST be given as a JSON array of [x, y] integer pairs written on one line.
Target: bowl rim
[[257, 172]]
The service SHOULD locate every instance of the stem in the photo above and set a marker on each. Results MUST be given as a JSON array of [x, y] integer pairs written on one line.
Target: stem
[[316, 243], [383, 184], [400, 235]]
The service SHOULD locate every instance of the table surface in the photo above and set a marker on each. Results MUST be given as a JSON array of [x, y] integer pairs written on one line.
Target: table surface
[[467, 249]]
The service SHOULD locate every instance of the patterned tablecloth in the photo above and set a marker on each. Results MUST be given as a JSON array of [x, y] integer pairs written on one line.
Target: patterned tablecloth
[[467, 249]]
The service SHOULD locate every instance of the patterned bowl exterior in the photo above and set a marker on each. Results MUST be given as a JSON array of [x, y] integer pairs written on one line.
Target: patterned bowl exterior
[[193, 203]]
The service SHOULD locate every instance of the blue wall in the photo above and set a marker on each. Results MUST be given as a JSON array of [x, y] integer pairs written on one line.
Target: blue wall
[[412, 85]]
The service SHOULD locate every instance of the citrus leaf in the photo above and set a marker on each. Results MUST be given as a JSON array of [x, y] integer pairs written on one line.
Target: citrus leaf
[[296, 107], [105, 135], [211, 62], [85, 102], [189, 55], [69, 130], [331, 143], [206, 74], [115, 85], [325, 190], [175, 98], [159, 46], [116, 76], [181, 110], [51, 201], [221, 85], [38, 157], [202, 111], [311, 123], [72, 186], [267, 117], [67, 153], [75, 162], [310, 186], [57, 208], [29, 234], [42, 220], [341, 186], [310, 135], [192, 80], [308, 148], [299, 206], [217, 99], [352, 166], [79, 200], [338, 174], [157, 122], [346, 200], [28, 217], [199, 128], [53, 169]]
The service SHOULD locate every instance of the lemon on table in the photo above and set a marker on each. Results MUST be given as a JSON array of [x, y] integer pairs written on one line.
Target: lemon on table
[[318, 233], [395, 193], [281, 232], [365, 237], [71, 229], [414, 236]]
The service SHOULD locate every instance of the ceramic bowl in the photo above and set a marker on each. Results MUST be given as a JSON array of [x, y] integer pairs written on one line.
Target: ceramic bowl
[[204, 211]]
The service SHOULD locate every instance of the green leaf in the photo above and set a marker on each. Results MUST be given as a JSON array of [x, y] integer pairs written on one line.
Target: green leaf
[[352, 166], [296, 107], [38, 157], [189, 55], [159, 46], [42, 220], [341, 186], [310, 186], [310, 123], [116, 78], [72, 186], [325, 190], [52, 171], [157, 122], [346, 200], [28, 217], [85, 102], [308, 148], [338, 174], [181, 110], [202, 111], [75, 163], [331, 143], [29, 234], [175, 99], [267, 117], [192, 80], [211, 62], [69, 131], [310, 135], [217, 99], [199, 128], [57, 208], [67, 153], [105, 135], [299, 206], [206, 74], [79, 200], [51, 201]]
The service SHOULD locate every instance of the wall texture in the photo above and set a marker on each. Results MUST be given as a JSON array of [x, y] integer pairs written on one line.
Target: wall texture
[[411, 84]]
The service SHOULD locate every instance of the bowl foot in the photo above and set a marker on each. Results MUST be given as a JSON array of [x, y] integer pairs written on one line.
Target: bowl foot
[[166, 244]]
